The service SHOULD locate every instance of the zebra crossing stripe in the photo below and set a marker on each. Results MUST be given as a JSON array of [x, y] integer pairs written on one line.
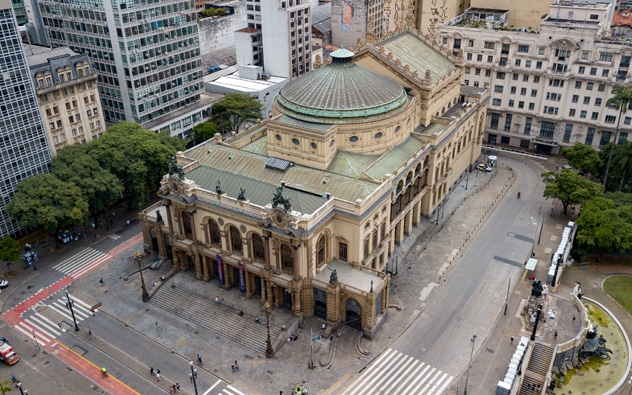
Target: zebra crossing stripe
[[31, 332], [230, 390], [79, 307], [396, 372], [43, 326], [63, 312], [91, 266], [77, 261]]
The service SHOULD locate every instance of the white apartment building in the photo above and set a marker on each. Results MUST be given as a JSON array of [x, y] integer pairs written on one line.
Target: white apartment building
[[548, 87], [278, 37]]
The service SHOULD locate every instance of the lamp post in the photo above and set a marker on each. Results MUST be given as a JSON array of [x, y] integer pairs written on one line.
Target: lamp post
[[142, 279], [535, 325], [193, 377], [266, 311], [69, 304], [467, 378]]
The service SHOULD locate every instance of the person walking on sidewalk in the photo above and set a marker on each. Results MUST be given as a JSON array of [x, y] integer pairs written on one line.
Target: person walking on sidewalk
[[236, 366], [158, 374], [199, 360], [151, 371], [512, 339]]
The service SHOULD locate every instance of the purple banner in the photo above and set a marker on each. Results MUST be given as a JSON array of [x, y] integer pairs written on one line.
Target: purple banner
[[242, 277], [220, 270]]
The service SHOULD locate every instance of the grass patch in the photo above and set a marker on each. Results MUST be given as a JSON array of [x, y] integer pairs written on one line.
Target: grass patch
[[619, 288]]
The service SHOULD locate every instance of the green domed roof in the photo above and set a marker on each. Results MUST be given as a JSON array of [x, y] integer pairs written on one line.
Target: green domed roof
[[341, 92]]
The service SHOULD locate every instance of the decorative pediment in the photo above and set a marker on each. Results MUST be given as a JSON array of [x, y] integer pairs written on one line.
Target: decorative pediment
[[564, 44]]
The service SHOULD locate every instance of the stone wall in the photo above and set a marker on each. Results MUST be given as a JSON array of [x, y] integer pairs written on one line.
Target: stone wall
[[219, 33]]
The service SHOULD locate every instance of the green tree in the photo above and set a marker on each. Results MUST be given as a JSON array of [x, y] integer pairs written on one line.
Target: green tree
[[570, 188], [4, 387], [584, 158], [621, 101], [138, 157], [203, 132], [45, 200], [603, 227], [100, 188], [9, 251], [234, 110], [622, 162]]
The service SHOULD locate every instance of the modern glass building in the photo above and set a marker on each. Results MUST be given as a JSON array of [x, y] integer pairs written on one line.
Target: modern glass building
[[24, 149], [146, 53]]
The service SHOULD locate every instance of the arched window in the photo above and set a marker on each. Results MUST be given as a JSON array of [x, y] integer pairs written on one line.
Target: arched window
[[258, 252], [214, 235], [287, 259], [235, 240], [321, 251]]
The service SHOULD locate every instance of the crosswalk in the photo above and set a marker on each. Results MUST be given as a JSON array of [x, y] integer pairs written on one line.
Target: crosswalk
[[81, 263], [45, 326], [223, 388], [397, 373]]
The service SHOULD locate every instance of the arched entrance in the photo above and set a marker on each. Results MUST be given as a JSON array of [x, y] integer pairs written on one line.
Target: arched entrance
[[353, 314], [320, 303]]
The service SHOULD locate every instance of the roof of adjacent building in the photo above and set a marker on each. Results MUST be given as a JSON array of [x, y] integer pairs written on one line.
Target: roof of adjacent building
[[341, 92], [235, 169], [38, 55], [416, 53]]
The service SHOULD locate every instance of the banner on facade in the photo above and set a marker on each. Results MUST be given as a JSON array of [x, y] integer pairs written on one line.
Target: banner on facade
[[220, 270], [242, 277]]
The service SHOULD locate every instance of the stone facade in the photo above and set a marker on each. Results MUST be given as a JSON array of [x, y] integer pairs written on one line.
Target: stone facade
[[303, 210]]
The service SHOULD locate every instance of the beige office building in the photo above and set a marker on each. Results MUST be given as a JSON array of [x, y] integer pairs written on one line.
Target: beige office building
[[67, 94], [304, 209]]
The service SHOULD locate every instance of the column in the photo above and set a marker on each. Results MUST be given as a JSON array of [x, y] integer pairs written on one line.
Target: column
[[296, 267], [162, 246], [266, 253], [333, 303], [206, 275], [197, 264]]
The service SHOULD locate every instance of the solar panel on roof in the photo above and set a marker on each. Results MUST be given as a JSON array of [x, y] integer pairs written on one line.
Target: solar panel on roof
[[278, 164]]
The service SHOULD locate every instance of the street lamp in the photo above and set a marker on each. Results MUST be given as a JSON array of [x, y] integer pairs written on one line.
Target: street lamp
[[473, 339], [193, 377], [267, 313], [142, 279], [69, 304], [537, 318]]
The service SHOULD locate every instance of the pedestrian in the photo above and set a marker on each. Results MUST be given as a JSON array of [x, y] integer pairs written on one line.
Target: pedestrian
[[158, 374], [539, 387], [173, 388], [127, 222], [59, 324], [555, 334], [101, 281], [199, 359], [512, 339], [151, 371], [217, 300], [233, 367], [573, 319], [177, 387], [236, 366], [13, 377]]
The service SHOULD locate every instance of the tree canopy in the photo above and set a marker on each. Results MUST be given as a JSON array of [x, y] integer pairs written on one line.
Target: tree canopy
[[621, 101], [234, 110], [9, 250], [138, 157], [99, 187], [584, 158], [604, 227], [45, 200], [570, 188], [203, 132]]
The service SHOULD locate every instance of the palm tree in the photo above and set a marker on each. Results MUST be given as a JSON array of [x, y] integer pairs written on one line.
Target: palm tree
[[623, 160], [621, 100]]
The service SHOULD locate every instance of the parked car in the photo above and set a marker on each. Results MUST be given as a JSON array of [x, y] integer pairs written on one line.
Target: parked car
[[4, 284], [484, 167]]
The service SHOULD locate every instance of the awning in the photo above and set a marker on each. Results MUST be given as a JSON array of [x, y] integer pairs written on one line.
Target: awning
[[531, 264]]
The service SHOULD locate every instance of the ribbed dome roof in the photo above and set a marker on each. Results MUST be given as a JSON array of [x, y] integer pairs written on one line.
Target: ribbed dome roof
[[339, 92]]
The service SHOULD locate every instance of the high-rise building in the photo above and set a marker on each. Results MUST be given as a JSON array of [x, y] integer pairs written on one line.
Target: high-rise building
[[24, 150], [278, 37], [549, 86], [146, 54], [68, 95]]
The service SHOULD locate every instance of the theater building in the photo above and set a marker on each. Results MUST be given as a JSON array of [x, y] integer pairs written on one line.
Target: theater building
[[304, 209]]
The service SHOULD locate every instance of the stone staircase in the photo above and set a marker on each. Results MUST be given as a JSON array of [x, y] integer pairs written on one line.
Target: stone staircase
[[537, 369], [218, 318]]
